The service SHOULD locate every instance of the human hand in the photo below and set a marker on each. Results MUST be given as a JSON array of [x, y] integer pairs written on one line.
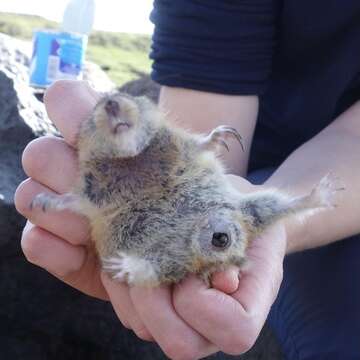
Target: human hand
[[184, 320]]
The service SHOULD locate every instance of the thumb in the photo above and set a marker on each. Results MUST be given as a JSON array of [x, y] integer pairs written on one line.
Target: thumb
[[226, 281], [68, 104]]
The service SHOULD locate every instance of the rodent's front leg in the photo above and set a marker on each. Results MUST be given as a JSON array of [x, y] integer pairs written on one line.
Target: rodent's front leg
[[218, 136], [69, 201]]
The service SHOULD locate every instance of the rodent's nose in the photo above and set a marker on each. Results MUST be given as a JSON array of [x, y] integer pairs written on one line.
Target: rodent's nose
[[112, 108]]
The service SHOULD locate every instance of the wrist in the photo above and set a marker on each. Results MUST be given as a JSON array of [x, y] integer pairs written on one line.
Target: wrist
[[296, 227], [296, 233]]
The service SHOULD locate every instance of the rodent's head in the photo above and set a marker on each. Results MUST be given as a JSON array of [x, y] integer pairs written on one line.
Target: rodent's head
[[127, 122], [221, 238]]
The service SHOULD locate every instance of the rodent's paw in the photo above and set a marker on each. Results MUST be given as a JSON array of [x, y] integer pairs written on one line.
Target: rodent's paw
[[56, 202], [42, 201], [131, 269], [323, 194]]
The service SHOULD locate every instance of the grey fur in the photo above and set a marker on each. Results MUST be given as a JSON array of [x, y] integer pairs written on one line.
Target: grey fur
[[158, 204]]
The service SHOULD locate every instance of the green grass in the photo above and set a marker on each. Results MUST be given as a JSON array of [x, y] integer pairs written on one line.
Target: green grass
[[22, 26], [123, 56]]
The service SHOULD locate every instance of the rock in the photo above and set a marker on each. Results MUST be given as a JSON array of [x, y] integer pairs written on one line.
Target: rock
[[22, 118], [142, 86], [97, 78]]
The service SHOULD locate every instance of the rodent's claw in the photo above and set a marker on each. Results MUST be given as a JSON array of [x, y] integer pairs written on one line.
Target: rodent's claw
[[222, 142], [235, 133], [40, 200], [219, 136]]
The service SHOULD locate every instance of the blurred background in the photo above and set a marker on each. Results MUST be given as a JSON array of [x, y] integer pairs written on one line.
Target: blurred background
[[119, 43]]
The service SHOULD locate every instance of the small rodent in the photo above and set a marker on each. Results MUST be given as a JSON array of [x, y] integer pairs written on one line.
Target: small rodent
[[159, 203]]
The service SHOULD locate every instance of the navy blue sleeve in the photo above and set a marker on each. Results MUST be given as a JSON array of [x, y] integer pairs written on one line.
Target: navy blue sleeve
[[221, 46]]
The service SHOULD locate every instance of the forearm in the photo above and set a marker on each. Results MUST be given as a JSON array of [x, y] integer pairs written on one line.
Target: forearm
[[337, 150], [201, 112]]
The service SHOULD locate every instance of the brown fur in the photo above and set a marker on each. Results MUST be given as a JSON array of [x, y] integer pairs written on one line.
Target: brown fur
[[157, 196]]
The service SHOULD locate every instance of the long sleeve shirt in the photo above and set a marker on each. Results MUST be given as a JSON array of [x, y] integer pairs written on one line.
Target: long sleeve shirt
[[301, 58]]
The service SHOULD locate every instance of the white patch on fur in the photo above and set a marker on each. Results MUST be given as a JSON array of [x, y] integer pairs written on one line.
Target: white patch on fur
[[127, 143], [130, 268]]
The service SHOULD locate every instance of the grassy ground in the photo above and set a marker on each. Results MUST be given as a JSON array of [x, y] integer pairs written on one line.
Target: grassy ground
[[122, 56]]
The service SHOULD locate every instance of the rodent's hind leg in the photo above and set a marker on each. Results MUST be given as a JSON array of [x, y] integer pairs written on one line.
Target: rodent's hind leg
[[131, 269], [69, 201], [265, 207], [218, 136]]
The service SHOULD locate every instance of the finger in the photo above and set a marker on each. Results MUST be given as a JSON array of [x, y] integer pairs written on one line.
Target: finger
[[68, 104], [51, 162], [261, 279], [64, 224], [72, 264], [50, 252], [241, 315], [215, 315], [124, 308], [226, 281], [174, 336]]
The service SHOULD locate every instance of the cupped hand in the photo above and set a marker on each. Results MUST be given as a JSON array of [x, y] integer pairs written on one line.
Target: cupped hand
[[189, 320]]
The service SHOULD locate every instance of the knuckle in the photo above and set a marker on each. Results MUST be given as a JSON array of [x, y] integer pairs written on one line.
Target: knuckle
[[34, 158], [240, 341], [30, 245], [125, 324], [281, 272], [124, 321], [238, 345], [184, 303], [21, 198], [29, 155], [178, 350], [276, 279], [53, 90], [142, 333]]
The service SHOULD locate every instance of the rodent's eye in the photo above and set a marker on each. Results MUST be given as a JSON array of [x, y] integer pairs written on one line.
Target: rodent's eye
[[220, 240]]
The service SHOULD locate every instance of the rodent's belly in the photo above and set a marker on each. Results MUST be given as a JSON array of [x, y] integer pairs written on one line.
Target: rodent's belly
[[111, 224], [105, 229]]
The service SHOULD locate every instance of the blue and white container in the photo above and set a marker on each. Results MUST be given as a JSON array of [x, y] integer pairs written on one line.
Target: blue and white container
[[60, 54], [56, 55]]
